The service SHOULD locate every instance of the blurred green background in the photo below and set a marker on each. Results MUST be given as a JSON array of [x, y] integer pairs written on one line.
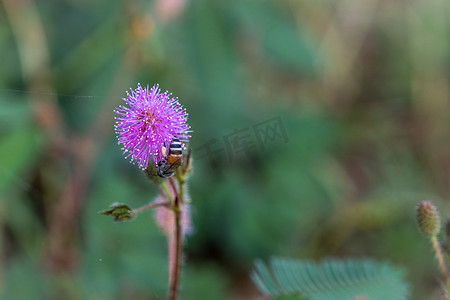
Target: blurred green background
[[360, 88]]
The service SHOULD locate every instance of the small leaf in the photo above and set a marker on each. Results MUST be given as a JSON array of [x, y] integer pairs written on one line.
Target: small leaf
[[120, 211]]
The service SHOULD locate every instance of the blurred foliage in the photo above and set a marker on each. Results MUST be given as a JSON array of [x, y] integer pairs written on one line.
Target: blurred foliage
[[362, 92], [331, 279]]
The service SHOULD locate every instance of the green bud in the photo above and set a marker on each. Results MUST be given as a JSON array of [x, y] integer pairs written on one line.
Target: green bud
[[427, 217], [121, 212]]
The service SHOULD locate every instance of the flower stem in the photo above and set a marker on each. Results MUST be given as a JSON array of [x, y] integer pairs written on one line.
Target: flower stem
[[175, 189], [440, 258], [179, 250], [178, 203], [150, 205], [167, 191]]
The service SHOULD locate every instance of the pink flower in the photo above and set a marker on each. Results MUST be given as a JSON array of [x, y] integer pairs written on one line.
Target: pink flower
[[150, 121]]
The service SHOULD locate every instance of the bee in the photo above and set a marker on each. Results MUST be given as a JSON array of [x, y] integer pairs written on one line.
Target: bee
[[172, 161]]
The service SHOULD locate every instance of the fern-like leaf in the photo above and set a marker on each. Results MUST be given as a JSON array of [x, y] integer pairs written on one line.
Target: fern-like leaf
[[331, 280]]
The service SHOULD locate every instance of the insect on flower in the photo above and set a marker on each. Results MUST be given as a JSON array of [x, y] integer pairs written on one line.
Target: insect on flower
[[151, 121], [174, 159]]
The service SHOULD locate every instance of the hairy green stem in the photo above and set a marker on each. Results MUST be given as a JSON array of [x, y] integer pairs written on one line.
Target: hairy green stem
[[440, 258], [167, 191]]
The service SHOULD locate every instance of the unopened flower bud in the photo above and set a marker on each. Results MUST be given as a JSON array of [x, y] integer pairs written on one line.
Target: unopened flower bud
[[120, 212], [427, 217]]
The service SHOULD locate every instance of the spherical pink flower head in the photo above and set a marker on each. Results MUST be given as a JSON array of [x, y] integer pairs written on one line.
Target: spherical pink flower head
[[150, 121]]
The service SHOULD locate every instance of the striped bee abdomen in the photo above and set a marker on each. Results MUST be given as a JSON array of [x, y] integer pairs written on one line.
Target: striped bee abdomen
[[175, 147]]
